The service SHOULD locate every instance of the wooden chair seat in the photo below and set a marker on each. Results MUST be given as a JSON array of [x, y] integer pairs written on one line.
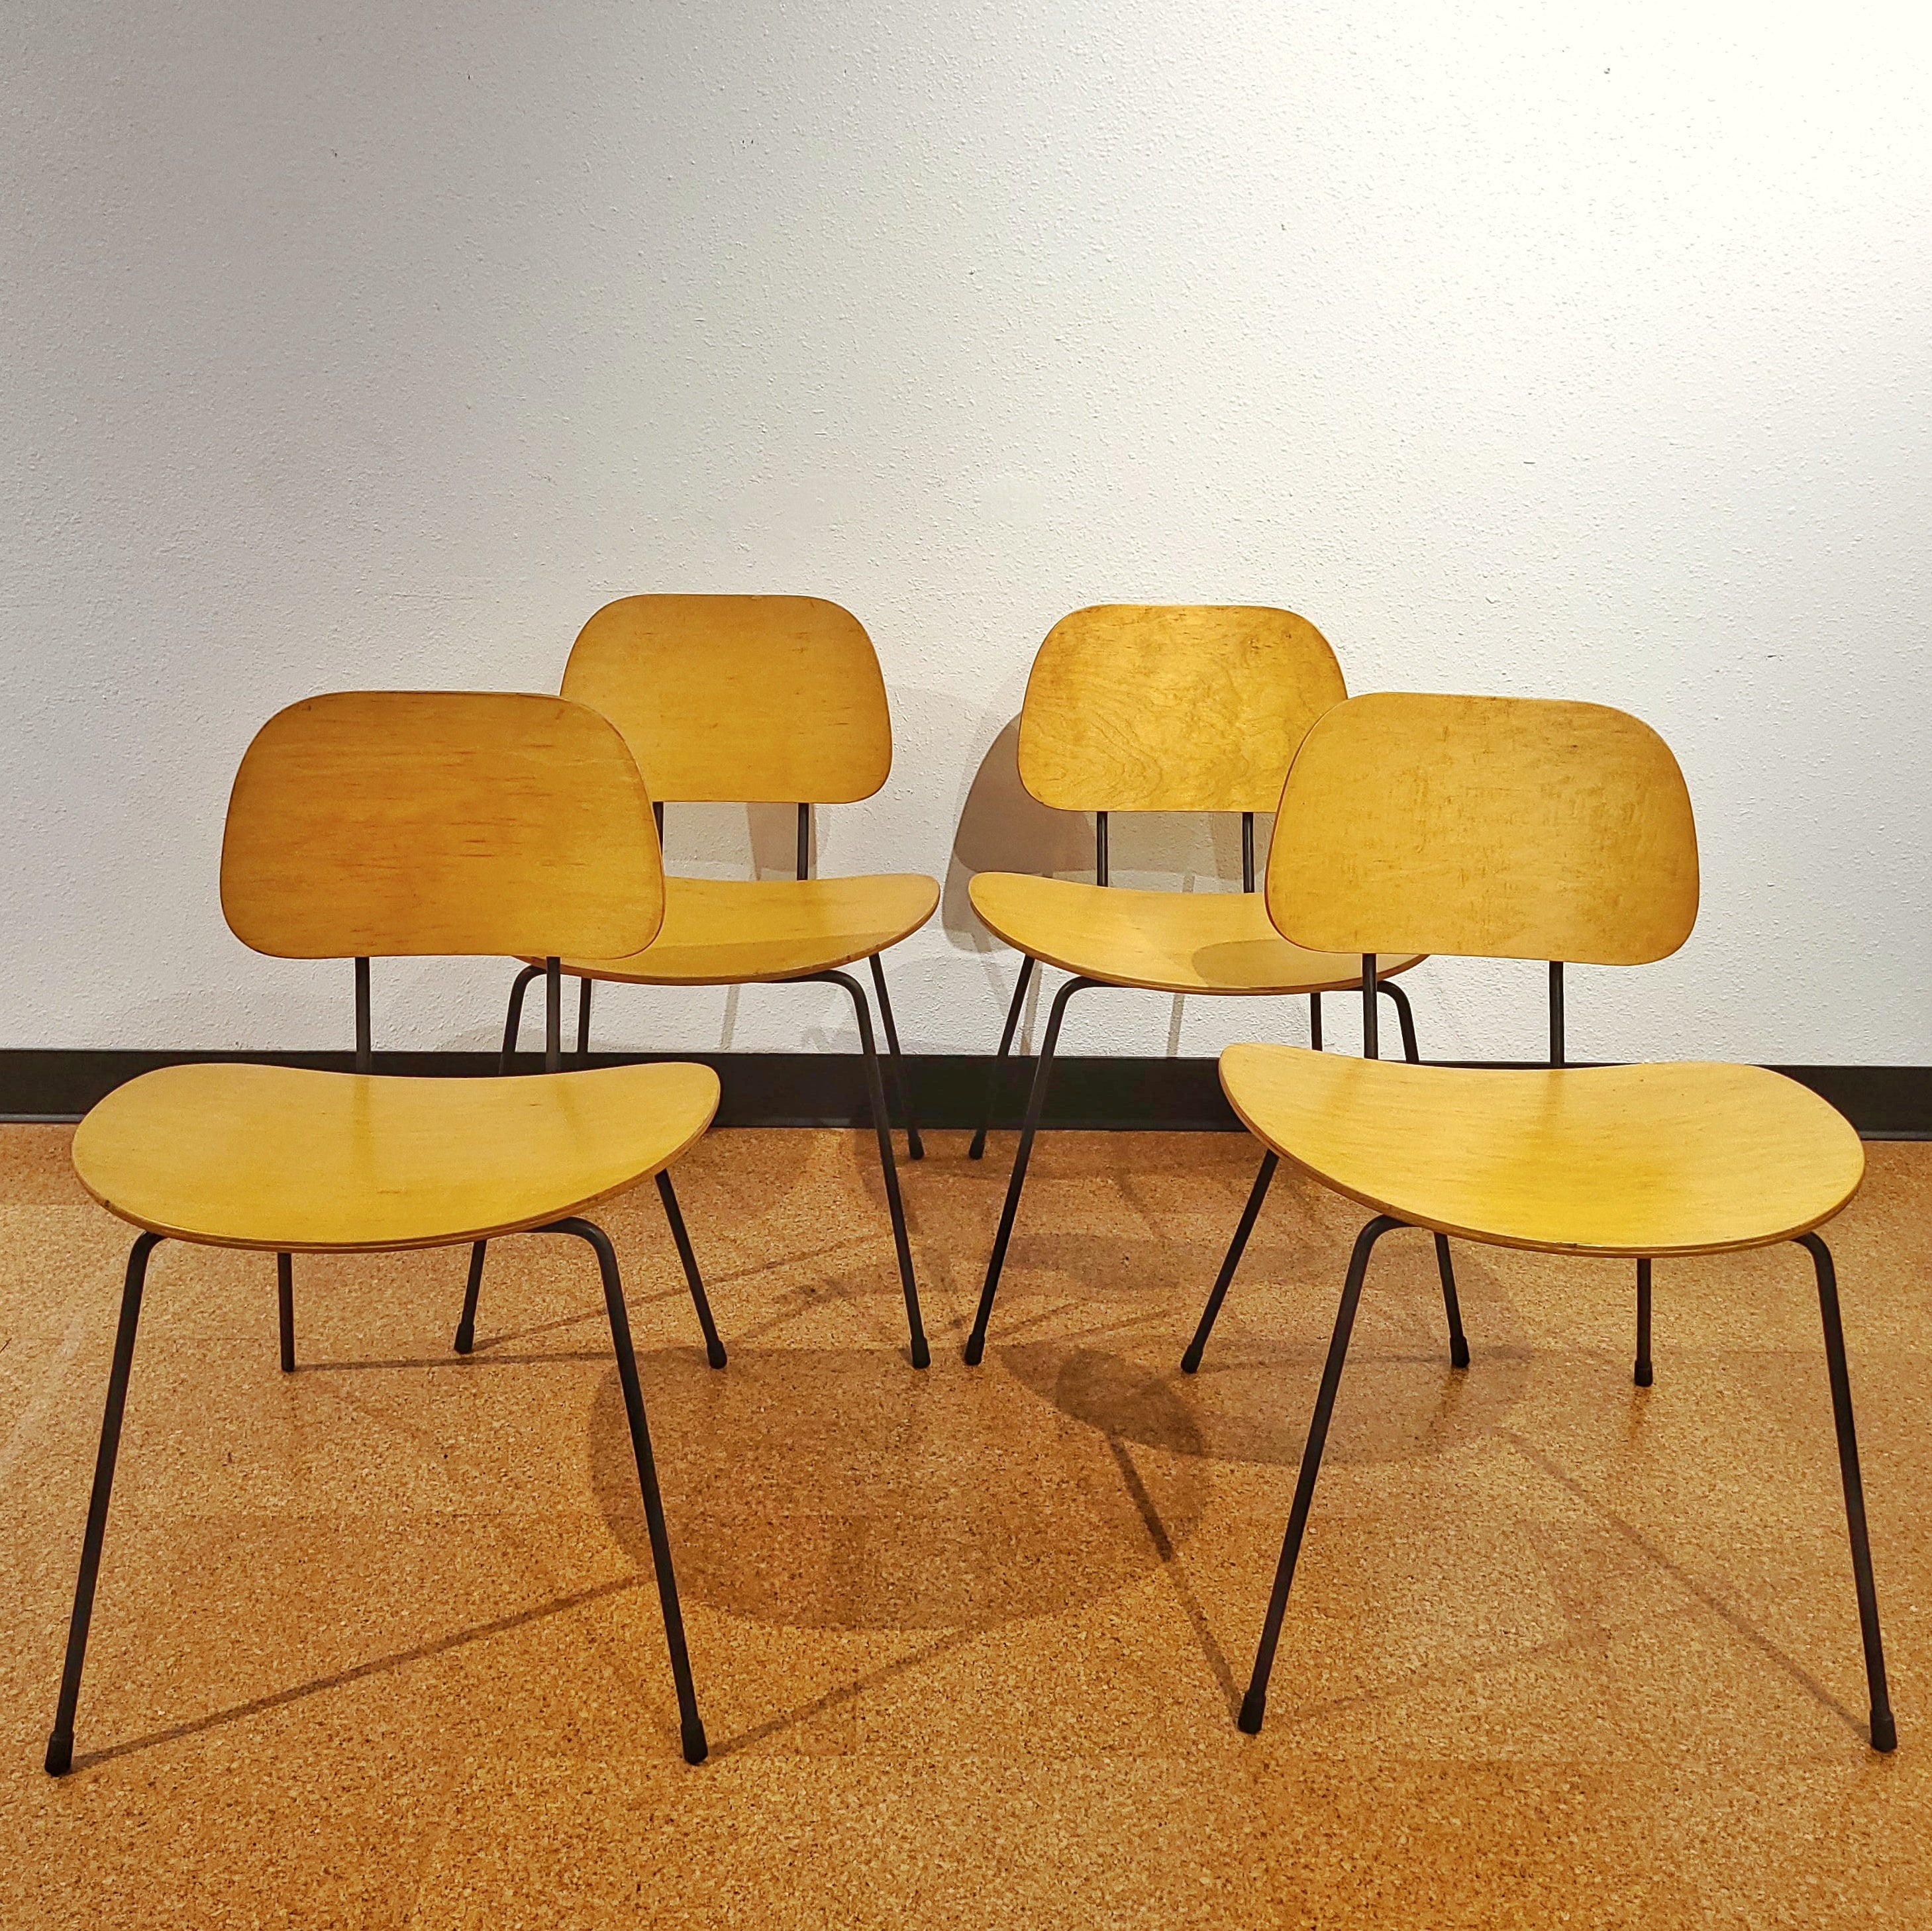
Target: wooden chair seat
[[1640, 1160], [1203, 942], [296, 1160], [729, 931]]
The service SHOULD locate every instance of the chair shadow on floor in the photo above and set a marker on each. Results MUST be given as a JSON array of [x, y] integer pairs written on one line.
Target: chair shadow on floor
[[825, 1487]]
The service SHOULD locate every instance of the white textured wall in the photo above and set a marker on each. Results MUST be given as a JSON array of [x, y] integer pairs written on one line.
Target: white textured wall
[[1527, 347]]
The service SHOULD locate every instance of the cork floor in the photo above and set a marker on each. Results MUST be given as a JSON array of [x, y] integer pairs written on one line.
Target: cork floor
[[373, 1647]]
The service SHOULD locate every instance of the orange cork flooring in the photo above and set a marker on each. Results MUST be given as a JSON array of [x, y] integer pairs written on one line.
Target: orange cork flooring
[[373, 1648]]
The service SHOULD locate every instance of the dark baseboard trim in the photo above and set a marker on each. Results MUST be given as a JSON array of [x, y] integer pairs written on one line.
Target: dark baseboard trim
[[949, 1089]]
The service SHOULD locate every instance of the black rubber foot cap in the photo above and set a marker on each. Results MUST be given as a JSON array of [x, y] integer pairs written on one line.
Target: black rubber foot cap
[[465, 1340], [696, 1749], [1252, 1704], [1884, 1732], [916, 1147], [1643, 1376], [60, 1755], [1190, 1361], [975, 1349], [921, 1355], [977, 1151], [1459, 1355], [715, 1353]]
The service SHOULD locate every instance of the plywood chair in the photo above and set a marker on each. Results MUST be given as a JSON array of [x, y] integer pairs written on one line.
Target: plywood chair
[[757, 700], [406, 824], [1515, 828], [1179, 707]]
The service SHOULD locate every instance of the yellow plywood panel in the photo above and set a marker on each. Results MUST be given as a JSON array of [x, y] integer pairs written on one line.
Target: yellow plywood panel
[[384, 822], [1172, 707], [740, 699], [733, 931], [1212, 942], [1683, 1158], [279, 1157], [1502, 827]]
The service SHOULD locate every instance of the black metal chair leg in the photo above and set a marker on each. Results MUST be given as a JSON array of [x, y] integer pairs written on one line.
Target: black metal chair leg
[[1459, 1345], [996, 1085], [690, 1725], [60, 1742], [1884, 1730], [1404, 1016], [285, 1299], [875, 1090], [1191, 1360], [915, 1146], [714, 1348], [1643, 1376], [583, 1020], [976, 1343], [513, 1020], [1256, 1701], [466, 1328]]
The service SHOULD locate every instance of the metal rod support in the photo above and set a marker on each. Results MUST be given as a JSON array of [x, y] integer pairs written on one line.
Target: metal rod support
[[875, 1091], [363, 1060], [714, 1348], [976, 1343], [553, 1015], [466, 1328], [1452, 1307], [805, 841], [285, 1308], [995, 1084], [1257, 1194], [1372, 1043], [690, 1725], [1556, 1046], [583, 1020], [901, 1087], [1642, 1375], [1884, 1729], [1254, 1703], [551, 973], [1099, 848], [60, 1743], [1405, 1018], [1247, 851], [1315, 1021], [513, 1019]]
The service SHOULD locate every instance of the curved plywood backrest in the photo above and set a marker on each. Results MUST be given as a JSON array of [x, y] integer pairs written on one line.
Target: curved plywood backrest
[[386, 823], [1172, 707], [739, 700], [1499, 827]]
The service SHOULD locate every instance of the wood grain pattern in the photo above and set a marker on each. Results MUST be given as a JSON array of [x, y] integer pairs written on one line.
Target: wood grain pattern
[[284, 1158], [737, 932], [1502, 827], [1681, 1159], [1177, 707], [1209, 941], [739, 700], [386, 823]]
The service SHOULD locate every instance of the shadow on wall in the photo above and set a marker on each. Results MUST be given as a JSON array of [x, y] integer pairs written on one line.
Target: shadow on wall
[[1003, 827], [736, 840], [774, 830]]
